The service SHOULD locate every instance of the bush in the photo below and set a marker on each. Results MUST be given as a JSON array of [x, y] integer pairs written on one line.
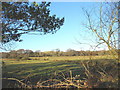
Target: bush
[[26, 58], [23, 58]]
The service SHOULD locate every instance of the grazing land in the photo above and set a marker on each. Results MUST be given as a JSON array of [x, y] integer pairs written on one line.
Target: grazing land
[[83, 53], [40, 69]]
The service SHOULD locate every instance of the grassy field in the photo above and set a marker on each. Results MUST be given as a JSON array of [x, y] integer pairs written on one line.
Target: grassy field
[[45, 68]]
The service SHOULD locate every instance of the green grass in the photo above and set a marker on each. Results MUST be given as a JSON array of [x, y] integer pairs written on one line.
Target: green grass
[[41, 69]]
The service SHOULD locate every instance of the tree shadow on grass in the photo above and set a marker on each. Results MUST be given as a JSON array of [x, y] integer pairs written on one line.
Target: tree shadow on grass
[[43, 71]]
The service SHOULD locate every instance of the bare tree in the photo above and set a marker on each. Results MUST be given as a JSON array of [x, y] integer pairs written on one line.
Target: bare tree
[[103, 22]]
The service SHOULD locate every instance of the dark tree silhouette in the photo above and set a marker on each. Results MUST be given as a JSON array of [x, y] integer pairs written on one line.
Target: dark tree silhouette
[[20, 18]]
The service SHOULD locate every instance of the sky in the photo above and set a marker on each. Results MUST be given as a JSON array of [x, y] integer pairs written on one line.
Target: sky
[[69, 36]]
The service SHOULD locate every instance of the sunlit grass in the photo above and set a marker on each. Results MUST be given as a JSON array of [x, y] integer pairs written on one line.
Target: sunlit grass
[[42, 68], [55, 59]]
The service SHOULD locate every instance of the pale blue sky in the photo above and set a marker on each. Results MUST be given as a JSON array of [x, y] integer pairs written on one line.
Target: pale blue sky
[[64, 38]]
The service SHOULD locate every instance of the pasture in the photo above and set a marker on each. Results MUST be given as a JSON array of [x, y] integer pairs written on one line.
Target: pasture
[[45, 68]]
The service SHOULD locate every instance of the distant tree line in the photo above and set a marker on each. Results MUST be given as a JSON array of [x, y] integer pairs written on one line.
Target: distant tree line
[[25, 54]]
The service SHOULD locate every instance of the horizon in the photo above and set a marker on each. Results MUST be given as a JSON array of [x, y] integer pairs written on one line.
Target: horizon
[[54, 50]]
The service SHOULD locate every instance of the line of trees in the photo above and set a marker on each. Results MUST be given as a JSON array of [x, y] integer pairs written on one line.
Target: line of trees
[[25, 54]]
